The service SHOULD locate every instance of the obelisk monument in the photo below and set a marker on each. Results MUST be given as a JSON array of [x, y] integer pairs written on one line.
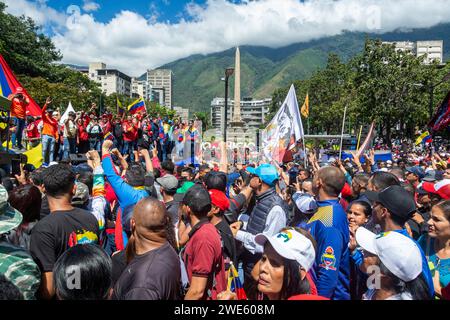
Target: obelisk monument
[[237, 120]]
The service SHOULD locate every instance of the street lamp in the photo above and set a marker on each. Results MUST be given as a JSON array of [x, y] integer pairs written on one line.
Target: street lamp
[[228, 73], [431, 88]]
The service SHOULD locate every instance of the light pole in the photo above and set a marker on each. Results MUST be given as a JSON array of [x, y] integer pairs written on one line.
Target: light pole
[[228, 73]]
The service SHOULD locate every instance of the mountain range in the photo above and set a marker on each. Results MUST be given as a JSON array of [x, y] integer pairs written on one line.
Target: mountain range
[[197, 79]]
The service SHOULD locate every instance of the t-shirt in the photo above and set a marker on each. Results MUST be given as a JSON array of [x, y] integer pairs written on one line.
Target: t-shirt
[[119, 264], [59, 231], [18, 108], [154, 275], [436, 264], [203, 258]]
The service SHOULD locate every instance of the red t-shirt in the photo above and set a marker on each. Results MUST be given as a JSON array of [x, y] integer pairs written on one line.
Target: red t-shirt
[[32, 131], [129, 135], [18, 108], [203, 257], [306, 297]]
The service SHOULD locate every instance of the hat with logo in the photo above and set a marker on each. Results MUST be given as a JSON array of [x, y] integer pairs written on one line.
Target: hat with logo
[[397, 252], [168, 182], [292, 245], [430, 176], [219, 199], [81, 195], [10, 218], [396, 199], [266, 172], [305, 202], [418, 171]]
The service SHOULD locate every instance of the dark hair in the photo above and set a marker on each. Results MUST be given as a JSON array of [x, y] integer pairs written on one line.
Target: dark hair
[[362, 179], [381, 180], [168, 166], [445, 207], [135, 175], [216, 180], [95, 271], [30, 119], [37, 176], [366, 207], [197, 198], [307, 172], [27, 199], [292, 283], [189, 170], [333, 180], [418, 288], [59, 180], [8, 183], [87, 178], [8, 291]]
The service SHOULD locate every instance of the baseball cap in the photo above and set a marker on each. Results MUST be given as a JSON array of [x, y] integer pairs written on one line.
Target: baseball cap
[[168, 182], [418, 171], [397, 252], [292, 245], [441, 188], [10, 218], [396, 199], [305, 203], [185, 187], [219, 199], [266, 172], [81, 195]]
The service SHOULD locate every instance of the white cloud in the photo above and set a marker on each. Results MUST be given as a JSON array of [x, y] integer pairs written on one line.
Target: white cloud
[[133, 43], [39, 11], [90, 6]]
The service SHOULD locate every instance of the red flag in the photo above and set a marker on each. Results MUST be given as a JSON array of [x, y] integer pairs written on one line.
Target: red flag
[[9, 85]]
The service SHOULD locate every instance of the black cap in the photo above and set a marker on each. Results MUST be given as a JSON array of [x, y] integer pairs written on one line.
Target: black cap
[[198, 199], [396, 199]]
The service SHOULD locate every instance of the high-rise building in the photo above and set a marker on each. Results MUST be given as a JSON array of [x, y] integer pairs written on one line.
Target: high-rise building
[[253, 112], [432, 50], [161, 81], [141, 88], [110, 80]]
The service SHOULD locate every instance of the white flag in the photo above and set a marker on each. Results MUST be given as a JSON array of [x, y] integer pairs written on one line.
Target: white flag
[[66, 113], [284, 130]]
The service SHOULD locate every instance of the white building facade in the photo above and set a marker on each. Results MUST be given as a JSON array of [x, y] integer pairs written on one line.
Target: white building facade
[[110, 80]]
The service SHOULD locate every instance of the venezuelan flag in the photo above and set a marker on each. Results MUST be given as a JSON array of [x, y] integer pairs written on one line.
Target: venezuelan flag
[[9, 85], [136, 106], [120, 107], [234, 283], [424, 138], [108, 136]]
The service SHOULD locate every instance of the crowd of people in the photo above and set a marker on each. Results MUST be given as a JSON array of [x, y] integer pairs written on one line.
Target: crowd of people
[[82, 131], [130, 224]]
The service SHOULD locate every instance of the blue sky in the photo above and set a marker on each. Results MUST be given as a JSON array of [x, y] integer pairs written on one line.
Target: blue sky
[[136, 35], [165, 10]]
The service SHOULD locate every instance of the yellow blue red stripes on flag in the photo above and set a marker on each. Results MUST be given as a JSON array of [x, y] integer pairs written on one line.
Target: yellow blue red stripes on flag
[[235, 284], [120, 106], [138, 105], [108, 136], [424, 137]]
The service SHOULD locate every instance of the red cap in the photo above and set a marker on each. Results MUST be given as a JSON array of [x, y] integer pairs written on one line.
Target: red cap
[[346, 191], [219, 199]]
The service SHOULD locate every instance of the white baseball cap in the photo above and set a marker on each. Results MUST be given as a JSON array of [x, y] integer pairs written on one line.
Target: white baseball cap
[[305, 203], [397, 252], [291, 245]]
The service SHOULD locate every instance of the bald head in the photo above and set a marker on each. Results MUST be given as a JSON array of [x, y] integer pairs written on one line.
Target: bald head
[[150, 219], [332, 180]]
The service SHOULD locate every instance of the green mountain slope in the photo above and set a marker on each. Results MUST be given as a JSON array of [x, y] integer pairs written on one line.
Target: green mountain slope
[[197, 79]]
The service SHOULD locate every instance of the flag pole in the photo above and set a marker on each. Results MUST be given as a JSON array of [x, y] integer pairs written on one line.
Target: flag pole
[[359, 138], [342, 133]]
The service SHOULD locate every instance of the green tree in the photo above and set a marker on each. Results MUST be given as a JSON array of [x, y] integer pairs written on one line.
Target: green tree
[[25, 49], [204, 118]]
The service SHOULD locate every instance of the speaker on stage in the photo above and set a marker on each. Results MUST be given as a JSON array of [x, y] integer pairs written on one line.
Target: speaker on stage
[[77, 158]]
